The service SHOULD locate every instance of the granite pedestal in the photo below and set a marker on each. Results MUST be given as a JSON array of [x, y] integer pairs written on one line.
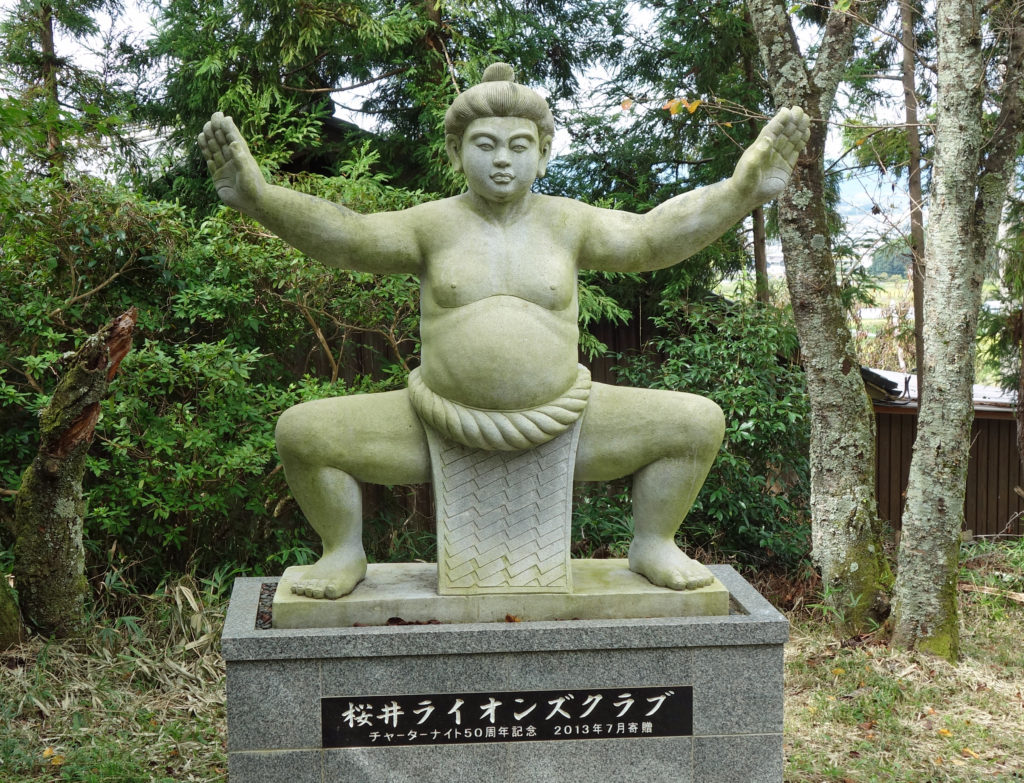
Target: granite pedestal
[[297, 699]]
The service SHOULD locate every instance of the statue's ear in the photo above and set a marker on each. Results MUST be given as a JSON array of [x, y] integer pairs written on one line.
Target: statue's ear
[[545, 156], [453, 145]]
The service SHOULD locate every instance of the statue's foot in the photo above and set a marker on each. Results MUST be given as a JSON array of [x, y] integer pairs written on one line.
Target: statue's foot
[[332, 576], [665, 565]]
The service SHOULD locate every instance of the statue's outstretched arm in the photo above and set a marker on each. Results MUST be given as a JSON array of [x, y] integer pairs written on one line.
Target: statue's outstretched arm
[[328, 232], [689, 222]]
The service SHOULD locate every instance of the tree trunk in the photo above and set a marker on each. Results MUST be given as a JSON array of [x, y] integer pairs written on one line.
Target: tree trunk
[[11, 629], [1020, 390], [50, 67], [968, 192], [845, 524], [762, 289], [914, 179], [49, 559]]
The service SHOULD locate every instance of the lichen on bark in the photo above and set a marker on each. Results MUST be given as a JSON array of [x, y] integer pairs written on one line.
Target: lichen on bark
[[971, 172], [846, 531], [49, 557]]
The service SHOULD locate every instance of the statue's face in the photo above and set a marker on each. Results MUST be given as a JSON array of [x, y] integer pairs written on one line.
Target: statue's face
[[500, 156]]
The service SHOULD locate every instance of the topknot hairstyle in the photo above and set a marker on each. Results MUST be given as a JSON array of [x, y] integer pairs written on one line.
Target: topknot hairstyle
[[498, 95]]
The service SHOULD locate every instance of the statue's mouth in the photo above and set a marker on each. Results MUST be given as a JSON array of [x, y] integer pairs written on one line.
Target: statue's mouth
[[502, 178]]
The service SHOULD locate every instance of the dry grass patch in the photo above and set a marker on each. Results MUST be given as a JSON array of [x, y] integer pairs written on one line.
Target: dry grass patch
[[142, 699], [860, 712]]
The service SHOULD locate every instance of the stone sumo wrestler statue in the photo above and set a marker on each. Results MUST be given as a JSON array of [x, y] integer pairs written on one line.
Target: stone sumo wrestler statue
[[497, 267]]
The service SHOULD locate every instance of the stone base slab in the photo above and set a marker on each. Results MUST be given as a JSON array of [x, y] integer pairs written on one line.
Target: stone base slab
[[603, 589], [733, 664]]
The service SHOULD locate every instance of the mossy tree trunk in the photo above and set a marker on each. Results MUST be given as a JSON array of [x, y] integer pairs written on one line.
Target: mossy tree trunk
[[11, 629], [845, 525], [969, 184], [49, 559]]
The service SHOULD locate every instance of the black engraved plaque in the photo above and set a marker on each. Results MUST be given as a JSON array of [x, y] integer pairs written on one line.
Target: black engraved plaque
[[507, 716]]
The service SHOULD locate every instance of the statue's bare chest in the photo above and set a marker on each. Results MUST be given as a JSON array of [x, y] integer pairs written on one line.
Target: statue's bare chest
[[473, 262]]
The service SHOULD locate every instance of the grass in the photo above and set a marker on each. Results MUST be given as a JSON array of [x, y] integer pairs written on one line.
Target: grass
[[142, 699], [857, 711]]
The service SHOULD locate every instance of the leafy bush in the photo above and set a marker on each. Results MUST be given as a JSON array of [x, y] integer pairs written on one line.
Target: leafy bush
[[234, 327]]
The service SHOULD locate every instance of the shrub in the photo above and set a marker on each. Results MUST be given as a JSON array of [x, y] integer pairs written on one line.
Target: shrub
[[234, 327]]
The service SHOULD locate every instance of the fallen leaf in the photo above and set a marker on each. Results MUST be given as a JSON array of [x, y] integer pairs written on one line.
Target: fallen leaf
[[969, 752]]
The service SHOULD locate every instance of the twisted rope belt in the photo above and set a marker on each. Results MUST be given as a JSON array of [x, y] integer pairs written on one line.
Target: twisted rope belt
[[500, 430]]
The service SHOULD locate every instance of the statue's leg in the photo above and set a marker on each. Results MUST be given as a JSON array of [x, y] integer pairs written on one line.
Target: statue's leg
[[667, 441], [327, 448]]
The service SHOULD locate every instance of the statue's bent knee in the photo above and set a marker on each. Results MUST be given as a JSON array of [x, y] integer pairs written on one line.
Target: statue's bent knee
[[291, 434], [701, 425], [712, 421]]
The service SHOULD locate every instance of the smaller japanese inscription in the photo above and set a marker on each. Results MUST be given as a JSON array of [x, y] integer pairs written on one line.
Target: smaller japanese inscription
[[507, 716]]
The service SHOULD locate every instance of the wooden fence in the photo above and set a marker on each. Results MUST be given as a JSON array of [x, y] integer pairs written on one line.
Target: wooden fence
[[992, 507]]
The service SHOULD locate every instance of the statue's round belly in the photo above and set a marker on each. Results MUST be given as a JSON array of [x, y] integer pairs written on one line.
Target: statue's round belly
[[499, 353]]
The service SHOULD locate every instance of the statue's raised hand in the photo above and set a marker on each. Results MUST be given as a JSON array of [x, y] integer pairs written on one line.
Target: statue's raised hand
[[765, 166], [235, 173]]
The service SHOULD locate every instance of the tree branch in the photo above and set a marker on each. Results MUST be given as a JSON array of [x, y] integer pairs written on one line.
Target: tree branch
[[999, 153], [836, 48], [94, 290], [320, 338], [781, 55], [28, 378], [356, 86]]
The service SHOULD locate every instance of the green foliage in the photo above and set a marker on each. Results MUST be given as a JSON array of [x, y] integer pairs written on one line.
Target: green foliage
[[602, 522], [597, 304], [1001, 328], [684, 98], [284, 71], [754, 502], [234, 327], [893, 258], [53, 110], [636, 145], [881, 148]]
